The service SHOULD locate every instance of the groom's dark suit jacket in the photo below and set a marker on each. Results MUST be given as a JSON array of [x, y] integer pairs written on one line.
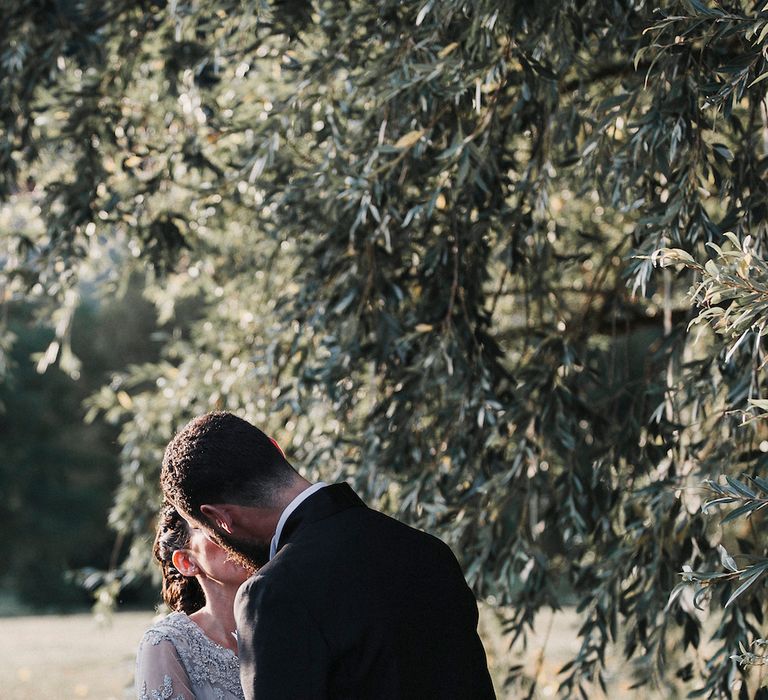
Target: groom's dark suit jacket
[[358, 605]]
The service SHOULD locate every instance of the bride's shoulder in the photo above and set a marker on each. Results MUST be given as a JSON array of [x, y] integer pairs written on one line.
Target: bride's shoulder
[[168, 628]]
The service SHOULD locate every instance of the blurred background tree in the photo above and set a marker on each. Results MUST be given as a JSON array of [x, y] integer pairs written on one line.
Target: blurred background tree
[[415, 240], [58, 474]]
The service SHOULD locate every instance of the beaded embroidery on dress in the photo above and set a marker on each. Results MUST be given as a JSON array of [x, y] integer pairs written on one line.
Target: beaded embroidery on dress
[[177, 661]]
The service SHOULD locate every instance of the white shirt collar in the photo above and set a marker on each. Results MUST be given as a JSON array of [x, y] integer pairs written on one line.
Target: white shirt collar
[[293, 505]]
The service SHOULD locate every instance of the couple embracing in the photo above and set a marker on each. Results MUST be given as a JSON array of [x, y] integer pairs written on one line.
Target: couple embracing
[[299, 587]]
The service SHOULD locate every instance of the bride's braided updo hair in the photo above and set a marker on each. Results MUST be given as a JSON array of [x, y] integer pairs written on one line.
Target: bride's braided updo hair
[[180, 593]]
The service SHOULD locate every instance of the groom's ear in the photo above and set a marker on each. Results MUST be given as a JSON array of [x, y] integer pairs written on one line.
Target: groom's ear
[[219, 516]]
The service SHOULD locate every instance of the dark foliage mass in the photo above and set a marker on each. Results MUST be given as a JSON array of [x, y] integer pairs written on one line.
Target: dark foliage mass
[[57, 474], [419, 241]]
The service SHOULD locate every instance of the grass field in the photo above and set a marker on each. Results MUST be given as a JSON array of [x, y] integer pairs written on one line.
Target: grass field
[[59, 657], [76, 656]]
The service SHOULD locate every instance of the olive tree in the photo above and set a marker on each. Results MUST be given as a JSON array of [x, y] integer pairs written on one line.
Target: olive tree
[[418, 242]]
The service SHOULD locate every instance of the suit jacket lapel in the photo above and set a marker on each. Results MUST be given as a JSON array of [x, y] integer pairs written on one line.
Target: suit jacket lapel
[[320, 505]]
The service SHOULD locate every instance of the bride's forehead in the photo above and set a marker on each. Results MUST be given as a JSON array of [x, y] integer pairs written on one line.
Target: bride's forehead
[[204, 534]]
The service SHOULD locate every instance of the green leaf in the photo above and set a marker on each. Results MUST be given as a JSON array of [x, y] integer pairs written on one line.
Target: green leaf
[[740, 488], [750, 576], [726, 559], [745, 509], [760, 78]]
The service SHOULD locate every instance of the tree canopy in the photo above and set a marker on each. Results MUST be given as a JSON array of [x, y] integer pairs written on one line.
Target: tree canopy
[[419, 242]]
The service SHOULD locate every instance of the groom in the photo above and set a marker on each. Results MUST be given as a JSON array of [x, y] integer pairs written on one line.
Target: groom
[[347, 602]]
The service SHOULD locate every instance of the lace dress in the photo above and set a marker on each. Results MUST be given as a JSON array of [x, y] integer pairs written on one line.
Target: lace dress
[[177, 661]]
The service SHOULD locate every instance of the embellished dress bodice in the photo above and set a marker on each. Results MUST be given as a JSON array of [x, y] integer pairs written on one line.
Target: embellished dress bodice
[[177, 661]]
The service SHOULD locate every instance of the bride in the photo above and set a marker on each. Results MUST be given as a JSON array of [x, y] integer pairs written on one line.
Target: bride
[[192, 653]]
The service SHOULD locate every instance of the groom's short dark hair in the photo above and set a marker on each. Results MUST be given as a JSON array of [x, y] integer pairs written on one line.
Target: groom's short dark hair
[[220, 458]]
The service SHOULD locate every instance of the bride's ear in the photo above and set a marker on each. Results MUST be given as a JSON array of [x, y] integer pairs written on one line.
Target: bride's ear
[[218, 516], [184, 563]]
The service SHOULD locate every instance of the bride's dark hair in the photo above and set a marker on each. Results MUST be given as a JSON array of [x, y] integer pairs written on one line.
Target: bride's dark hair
[[180, 593]]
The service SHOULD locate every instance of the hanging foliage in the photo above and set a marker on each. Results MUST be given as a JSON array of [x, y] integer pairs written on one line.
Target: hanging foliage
[[419, 239]]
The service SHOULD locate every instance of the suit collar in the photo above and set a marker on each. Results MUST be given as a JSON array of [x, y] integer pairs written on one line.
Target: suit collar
[[320, 505], [293, 505]]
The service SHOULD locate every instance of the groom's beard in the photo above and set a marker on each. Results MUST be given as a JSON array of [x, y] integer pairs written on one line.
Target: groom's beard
[[249, 554]]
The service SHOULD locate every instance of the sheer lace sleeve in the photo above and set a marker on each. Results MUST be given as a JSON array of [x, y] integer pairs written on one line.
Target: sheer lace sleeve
[[160, 674]]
